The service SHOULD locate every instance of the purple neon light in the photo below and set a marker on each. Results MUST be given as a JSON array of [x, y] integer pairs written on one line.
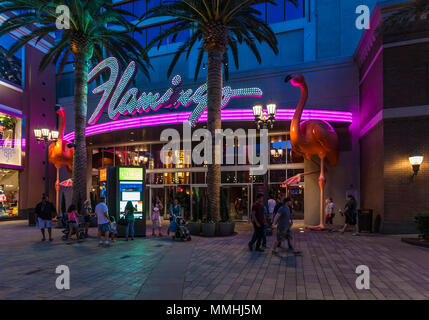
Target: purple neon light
[[227, 115]]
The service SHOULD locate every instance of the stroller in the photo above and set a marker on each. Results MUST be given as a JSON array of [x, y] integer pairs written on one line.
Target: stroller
[[66, 230], [180, 231]]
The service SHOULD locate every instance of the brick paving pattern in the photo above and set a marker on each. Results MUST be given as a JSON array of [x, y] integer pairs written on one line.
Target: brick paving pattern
[[211, 268]]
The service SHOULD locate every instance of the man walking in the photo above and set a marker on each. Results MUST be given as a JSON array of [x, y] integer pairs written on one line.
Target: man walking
[[44, 213], [101, 211], [284, 222], [258, 220]]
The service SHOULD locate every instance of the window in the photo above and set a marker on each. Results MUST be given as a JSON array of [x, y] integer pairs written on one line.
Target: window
[[283, 11], [10, 140], [11, 69]]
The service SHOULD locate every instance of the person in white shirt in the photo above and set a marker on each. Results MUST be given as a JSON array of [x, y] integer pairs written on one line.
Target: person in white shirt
[[101, 211], [329, 211], [271, 206]]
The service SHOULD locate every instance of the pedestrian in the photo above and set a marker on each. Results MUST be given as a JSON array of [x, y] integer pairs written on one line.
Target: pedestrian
[[175, 211], [129, 216], [102, 213], [44, 213], [258, 221], [87, 216], [156, 221], [284, 222], [73, 223], [271, 206], [113, 229], [350, 212], [158, 203], [329, 211]]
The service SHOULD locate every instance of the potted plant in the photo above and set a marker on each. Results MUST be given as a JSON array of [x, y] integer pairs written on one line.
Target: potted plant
[[195, 225], [422, 222], [225, 226], [208, 228]]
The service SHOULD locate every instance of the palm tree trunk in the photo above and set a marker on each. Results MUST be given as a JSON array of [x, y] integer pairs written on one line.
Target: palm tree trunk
[[214, 99], [80, 111]]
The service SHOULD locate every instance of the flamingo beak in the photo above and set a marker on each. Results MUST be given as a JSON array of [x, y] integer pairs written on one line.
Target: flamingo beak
[[288, 78]]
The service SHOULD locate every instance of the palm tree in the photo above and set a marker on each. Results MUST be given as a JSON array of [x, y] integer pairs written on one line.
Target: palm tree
[[220, 25], [96, 30], [408, 14]]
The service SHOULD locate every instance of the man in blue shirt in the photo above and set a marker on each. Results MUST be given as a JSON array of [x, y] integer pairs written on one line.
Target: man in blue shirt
[[284, 222]]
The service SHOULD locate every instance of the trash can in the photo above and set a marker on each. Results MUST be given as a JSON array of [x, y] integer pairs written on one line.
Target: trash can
[[365, 220], [31, 218]]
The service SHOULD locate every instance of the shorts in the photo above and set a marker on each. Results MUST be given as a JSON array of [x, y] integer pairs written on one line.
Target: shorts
[[74, 224], [283, 234], [351, 218], [156, 223], [44, 223], [104, 227], [114, 231], [87, 218]]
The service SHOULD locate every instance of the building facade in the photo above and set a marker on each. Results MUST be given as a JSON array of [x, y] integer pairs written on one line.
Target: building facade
[[27, 101], [317, 39], [394, 99], [359, 81]]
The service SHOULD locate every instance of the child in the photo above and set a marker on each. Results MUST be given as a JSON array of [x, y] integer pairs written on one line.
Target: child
[[113, 230], [73, 222], [156, 221]]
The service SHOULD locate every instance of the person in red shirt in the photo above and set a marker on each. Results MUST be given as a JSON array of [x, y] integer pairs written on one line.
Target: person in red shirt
[[258, 220]]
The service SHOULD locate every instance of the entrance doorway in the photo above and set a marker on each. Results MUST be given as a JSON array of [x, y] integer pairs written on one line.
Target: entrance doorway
[[235, 202]]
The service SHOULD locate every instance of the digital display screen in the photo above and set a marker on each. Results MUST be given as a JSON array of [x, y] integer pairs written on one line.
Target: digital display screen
[[130, 174], [131, 196]]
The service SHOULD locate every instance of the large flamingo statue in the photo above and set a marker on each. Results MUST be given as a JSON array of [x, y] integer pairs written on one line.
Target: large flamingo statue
[[59, 153], [312, 137]]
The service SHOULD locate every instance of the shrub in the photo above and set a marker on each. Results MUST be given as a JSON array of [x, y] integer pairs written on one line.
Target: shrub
[[422, 221]]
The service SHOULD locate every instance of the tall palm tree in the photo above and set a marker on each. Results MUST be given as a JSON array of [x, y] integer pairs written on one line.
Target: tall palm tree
[[96, 30], [220, 25], [408, 13]]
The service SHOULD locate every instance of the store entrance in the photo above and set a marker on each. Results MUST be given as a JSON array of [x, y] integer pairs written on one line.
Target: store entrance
[[235, 201]]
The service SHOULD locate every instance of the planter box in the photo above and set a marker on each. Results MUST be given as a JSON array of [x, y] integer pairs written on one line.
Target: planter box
[[194, 228], [208, 229], [226, 229]]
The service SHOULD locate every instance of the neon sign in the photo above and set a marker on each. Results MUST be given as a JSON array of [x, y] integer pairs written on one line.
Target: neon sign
[[120, 103]]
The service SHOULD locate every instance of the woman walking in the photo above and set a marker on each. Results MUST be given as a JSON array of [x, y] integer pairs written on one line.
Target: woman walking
[[129, 216], [73, 222]]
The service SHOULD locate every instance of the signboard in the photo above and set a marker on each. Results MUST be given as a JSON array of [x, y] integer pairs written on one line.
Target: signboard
[[103, 174], [120, 101], [130, 174]]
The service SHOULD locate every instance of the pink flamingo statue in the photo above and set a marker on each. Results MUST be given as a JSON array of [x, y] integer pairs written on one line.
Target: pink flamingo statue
[[312, 137], [60, 154]]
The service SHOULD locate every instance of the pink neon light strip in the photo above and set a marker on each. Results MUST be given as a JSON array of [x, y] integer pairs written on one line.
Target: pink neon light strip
[[227, 115]]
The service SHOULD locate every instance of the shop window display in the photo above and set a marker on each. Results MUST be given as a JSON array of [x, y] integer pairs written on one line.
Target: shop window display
[[10, 140], [9, 193]]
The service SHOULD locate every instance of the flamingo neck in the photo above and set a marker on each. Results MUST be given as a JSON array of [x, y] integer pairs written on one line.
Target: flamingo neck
[[62, 125], [295, 132]]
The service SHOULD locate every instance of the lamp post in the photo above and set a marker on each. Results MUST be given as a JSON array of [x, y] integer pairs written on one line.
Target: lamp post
[[265, 121], [46, 136]]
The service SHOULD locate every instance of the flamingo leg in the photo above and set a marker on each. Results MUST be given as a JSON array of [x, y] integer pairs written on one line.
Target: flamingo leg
[[322, 182]]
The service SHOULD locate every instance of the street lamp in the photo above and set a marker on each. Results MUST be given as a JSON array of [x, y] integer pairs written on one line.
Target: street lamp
[[416, 160], [46, 136], [265, 121]]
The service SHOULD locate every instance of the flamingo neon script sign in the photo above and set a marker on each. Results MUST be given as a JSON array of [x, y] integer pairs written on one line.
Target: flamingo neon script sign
[[120, 103]]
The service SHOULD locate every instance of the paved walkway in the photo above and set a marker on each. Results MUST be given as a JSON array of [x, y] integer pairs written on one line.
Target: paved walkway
[[210, 268]]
